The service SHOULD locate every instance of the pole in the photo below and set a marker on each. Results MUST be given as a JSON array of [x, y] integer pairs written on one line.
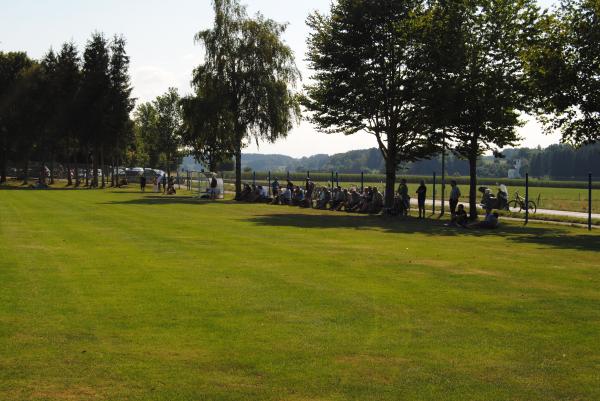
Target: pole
[[332, 180], [269, 178], [526, 198], [254, 178], [308, 174], [288, 175], [337, 179], [434, 183], [443, 174], [362, 181], [590, 202]]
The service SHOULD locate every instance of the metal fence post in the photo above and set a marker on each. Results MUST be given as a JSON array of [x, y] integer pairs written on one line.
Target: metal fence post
[[434, 183], [337, 179], [590, 202], [269, 178], [526, 198], [362, 181]]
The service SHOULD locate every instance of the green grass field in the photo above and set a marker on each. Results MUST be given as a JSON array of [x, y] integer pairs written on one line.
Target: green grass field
[[114, 295]]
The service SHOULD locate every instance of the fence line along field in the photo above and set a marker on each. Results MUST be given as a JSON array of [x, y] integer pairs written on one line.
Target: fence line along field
[[553, 195], [125, 296]]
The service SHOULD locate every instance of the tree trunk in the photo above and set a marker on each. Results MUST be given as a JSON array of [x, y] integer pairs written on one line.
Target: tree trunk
[[102, 167], [88, 169], [26, 171], [52, 170], [168, 165], [390, 180], [443, 175], [69, 179], [3, 164], [118, 179], [112, 173], [473, 186], [238, 171], [76, 170]]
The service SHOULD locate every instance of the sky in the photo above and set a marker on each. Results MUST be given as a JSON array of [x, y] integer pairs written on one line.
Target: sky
[[160, 42]]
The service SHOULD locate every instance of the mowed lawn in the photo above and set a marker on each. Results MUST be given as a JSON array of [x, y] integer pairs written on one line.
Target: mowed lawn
[[114, 295]]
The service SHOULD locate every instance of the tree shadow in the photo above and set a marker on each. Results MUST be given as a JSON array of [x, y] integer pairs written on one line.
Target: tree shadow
[[551, 236], [168, 200]]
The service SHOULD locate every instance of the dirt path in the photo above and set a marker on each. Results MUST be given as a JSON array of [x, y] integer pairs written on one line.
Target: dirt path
[[438, 205]]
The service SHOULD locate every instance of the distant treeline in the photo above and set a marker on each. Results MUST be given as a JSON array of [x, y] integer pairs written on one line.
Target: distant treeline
[[553, 162]]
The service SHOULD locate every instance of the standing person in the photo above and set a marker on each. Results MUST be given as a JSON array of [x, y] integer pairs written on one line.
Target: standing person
[[164, 184], [454, 197], [404, 197], [213, 187], [143, 182], [421, 195], [275, 188]]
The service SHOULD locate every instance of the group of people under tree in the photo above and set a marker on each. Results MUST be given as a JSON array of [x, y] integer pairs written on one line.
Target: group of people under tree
[[367, 201], [167, 184]]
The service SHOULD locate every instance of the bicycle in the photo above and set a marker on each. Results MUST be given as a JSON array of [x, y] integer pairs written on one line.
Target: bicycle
[[519, 203]]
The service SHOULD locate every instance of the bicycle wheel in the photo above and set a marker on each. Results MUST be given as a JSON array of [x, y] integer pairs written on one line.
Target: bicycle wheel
[[532, 207], [514, 206]]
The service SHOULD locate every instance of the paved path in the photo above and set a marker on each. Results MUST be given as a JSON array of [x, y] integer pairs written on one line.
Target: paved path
[[581, 215]]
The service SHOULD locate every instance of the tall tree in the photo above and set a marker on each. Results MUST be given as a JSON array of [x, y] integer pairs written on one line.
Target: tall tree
[[207, 123], [489, 84], [169, 125], [367, 77], [565, 66], [120, 124], [12, 66], [257, 73], [94, 99], [146, 148], [68, 78]]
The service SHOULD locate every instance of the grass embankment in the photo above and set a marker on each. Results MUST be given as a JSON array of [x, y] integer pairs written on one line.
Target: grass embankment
[[121, 296]]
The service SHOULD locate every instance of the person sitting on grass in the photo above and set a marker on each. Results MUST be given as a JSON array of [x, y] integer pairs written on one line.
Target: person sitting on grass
[[344, 199], [460, 218], [336, 198], [376, 203], [246, 192], [353, 200], [324, 199], [297, 196], [490, 221], [366, 200], [287, 196]]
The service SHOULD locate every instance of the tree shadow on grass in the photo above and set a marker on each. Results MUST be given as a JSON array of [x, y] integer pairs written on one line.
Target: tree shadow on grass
[[168, 200], [551, 236]]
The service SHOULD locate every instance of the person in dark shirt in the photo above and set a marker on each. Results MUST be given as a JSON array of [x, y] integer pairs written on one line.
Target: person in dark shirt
[[460, 218], [143, 183], [421, 195]]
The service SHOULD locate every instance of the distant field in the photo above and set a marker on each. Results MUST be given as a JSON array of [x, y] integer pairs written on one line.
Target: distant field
[[115, 295]]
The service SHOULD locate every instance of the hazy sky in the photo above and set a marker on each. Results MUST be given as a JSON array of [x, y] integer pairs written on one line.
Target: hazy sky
[[160, 42]]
